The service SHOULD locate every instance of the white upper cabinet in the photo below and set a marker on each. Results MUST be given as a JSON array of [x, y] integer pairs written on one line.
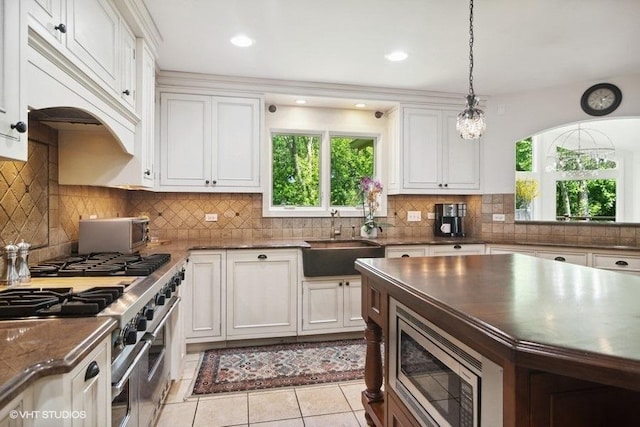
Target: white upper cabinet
[[93, 39], [13, 112], [128, 66], [209, 143], [146, 109], [428, 157]]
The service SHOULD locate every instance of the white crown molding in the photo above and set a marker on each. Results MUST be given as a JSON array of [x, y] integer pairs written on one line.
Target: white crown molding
[[175, 80]]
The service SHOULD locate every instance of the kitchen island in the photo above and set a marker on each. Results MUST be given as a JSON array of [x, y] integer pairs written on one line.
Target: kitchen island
[[565, 336]]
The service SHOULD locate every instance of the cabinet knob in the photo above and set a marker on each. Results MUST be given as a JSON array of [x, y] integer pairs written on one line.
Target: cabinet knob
[[339, 283], [207, 182], [262, 256], [560, 258], [92, 370], [147, 172], [346, 283], [126, 92], [439, 185], [622, 262], [446, 185], [61, 27], [21, 127]]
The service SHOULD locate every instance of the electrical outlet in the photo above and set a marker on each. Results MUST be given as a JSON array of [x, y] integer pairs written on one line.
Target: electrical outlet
[[498, 217], [93, 216], [210, 217], [413, 216], [431, 215]]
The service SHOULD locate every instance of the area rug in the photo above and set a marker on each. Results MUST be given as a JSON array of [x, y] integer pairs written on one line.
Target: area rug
[[282, 365]]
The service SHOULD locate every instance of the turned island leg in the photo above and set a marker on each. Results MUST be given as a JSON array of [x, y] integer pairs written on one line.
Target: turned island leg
[[372, 367]]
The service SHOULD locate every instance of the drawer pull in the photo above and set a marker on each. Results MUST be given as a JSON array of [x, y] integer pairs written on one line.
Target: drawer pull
[[262, 256], [622, 262], [457, 247], [560, 258], [340, 284], [92, 371], [346, 283], [405, 255]]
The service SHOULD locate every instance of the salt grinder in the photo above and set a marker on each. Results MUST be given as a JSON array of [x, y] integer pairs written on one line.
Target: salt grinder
[[10, 276], [22, 263]]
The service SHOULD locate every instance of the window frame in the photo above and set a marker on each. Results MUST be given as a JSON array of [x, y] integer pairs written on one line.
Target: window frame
[[324, 209]]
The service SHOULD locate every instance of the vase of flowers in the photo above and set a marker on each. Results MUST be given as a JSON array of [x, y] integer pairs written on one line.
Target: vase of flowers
[[370, 189]]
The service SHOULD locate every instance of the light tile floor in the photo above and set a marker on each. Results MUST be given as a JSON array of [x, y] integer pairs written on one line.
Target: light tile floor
[[323, 405]]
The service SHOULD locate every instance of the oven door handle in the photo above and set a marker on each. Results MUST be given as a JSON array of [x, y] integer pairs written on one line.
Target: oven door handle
[[150, 336], [116, 388]]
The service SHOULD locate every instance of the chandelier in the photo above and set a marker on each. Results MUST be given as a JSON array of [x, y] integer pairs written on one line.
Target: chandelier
[[470, 123], [581, 151]]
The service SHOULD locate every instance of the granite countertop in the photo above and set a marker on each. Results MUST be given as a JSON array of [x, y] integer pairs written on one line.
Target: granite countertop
[[36, 348]]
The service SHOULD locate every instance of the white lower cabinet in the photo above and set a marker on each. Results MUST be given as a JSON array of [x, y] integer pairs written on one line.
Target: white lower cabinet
[[85, 392], [10, 415], [499, 250], [204, 296], [623, 263], [406, 251], [331, 305], [456, 249], [262, 293]]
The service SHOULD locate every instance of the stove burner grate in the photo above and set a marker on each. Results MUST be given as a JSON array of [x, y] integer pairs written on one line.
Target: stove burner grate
[[101, 264]]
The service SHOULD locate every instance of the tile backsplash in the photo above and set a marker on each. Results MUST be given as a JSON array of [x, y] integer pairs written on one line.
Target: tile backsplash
[[180, 215]]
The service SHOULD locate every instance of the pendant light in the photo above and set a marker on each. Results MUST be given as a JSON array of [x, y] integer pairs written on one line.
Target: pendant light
[[471, 122]]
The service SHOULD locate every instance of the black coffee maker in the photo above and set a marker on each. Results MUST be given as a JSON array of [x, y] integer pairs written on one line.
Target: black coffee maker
[[449, 219]]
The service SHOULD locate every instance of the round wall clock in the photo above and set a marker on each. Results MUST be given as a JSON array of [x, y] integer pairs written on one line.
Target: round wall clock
[[601, 99]]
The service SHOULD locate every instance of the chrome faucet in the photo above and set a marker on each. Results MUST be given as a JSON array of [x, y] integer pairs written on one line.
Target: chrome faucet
[[333, 231]]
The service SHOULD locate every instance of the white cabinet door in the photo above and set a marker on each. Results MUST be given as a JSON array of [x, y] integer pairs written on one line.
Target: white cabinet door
[[332, 305], [203, 296], [456, 249], [406, 251], [13, 114], [261, 293], [47, 18], [322, 303], [185, 139], [23, 403], [128, 66], [434, 158], [460, 158], [422, 149], [579, 258], [93, 37], [209, 143], [146, 108], [91, 388], [353, 303], [499, 250], [236, 155]]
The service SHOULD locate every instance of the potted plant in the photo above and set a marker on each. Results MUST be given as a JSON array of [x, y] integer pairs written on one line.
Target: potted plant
[[370, 189], [526, 191]]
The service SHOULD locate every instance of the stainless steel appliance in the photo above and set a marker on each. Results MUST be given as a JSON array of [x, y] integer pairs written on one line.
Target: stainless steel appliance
[[124, 235], [450, 219], [440, 380], [143, 308]]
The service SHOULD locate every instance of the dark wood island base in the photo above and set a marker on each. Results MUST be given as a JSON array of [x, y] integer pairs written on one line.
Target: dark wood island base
[[566, 336]]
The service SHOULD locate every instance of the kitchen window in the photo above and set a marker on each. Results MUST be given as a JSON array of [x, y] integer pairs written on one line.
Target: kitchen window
[[314, 172]]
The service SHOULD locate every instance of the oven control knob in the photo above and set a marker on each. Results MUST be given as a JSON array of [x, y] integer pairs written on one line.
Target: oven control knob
[[160, 299], [130, 336], [172, 285], [148, 313], [182, 274], [141, 324], [167, 293], [178, 279]]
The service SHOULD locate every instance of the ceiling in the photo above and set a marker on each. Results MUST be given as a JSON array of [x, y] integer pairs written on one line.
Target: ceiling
[[519, 44]]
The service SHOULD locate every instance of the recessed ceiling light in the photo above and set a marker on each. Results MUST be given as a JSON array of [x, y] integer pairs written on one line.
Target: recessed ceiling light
[[361, 105], [300, 101], [241, 41], [398, 55]]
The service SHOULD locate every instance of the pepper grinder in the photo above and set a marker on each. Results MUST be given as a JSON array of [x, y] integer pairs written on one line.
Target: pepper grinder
[[22, 263], [10, 276]]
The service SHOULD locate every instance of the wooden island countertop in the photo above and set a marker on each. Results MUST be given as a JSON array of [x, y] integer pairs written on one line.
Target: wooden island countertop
[[527, 314]]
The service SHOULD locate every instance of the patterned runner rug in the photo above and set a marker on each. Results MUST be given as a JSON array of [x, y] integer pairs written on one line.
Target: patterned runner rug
[[282, 365]]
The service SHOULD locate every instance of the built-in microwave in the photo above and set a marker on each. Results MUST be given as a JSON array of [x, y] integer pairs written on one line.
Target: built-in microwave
[[124, 235], [442, 381]]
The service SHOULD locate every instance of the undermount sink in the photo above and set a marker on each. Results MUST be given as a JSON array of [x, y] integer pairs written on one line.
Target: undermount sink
[[336, 257]]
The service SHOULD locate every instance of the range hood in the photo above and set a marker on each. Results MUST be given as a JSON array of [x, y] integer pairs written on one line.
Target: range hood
[[65, 118]]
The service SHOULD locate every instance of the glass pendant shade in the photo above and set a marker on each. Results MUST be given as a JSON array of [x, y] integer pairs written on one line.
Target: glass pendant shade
[[471, 123]]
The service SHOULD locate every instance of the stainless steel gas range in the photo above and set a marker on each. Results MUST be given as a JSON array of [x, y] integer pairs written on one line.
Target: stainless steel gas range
[[141, 293]]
